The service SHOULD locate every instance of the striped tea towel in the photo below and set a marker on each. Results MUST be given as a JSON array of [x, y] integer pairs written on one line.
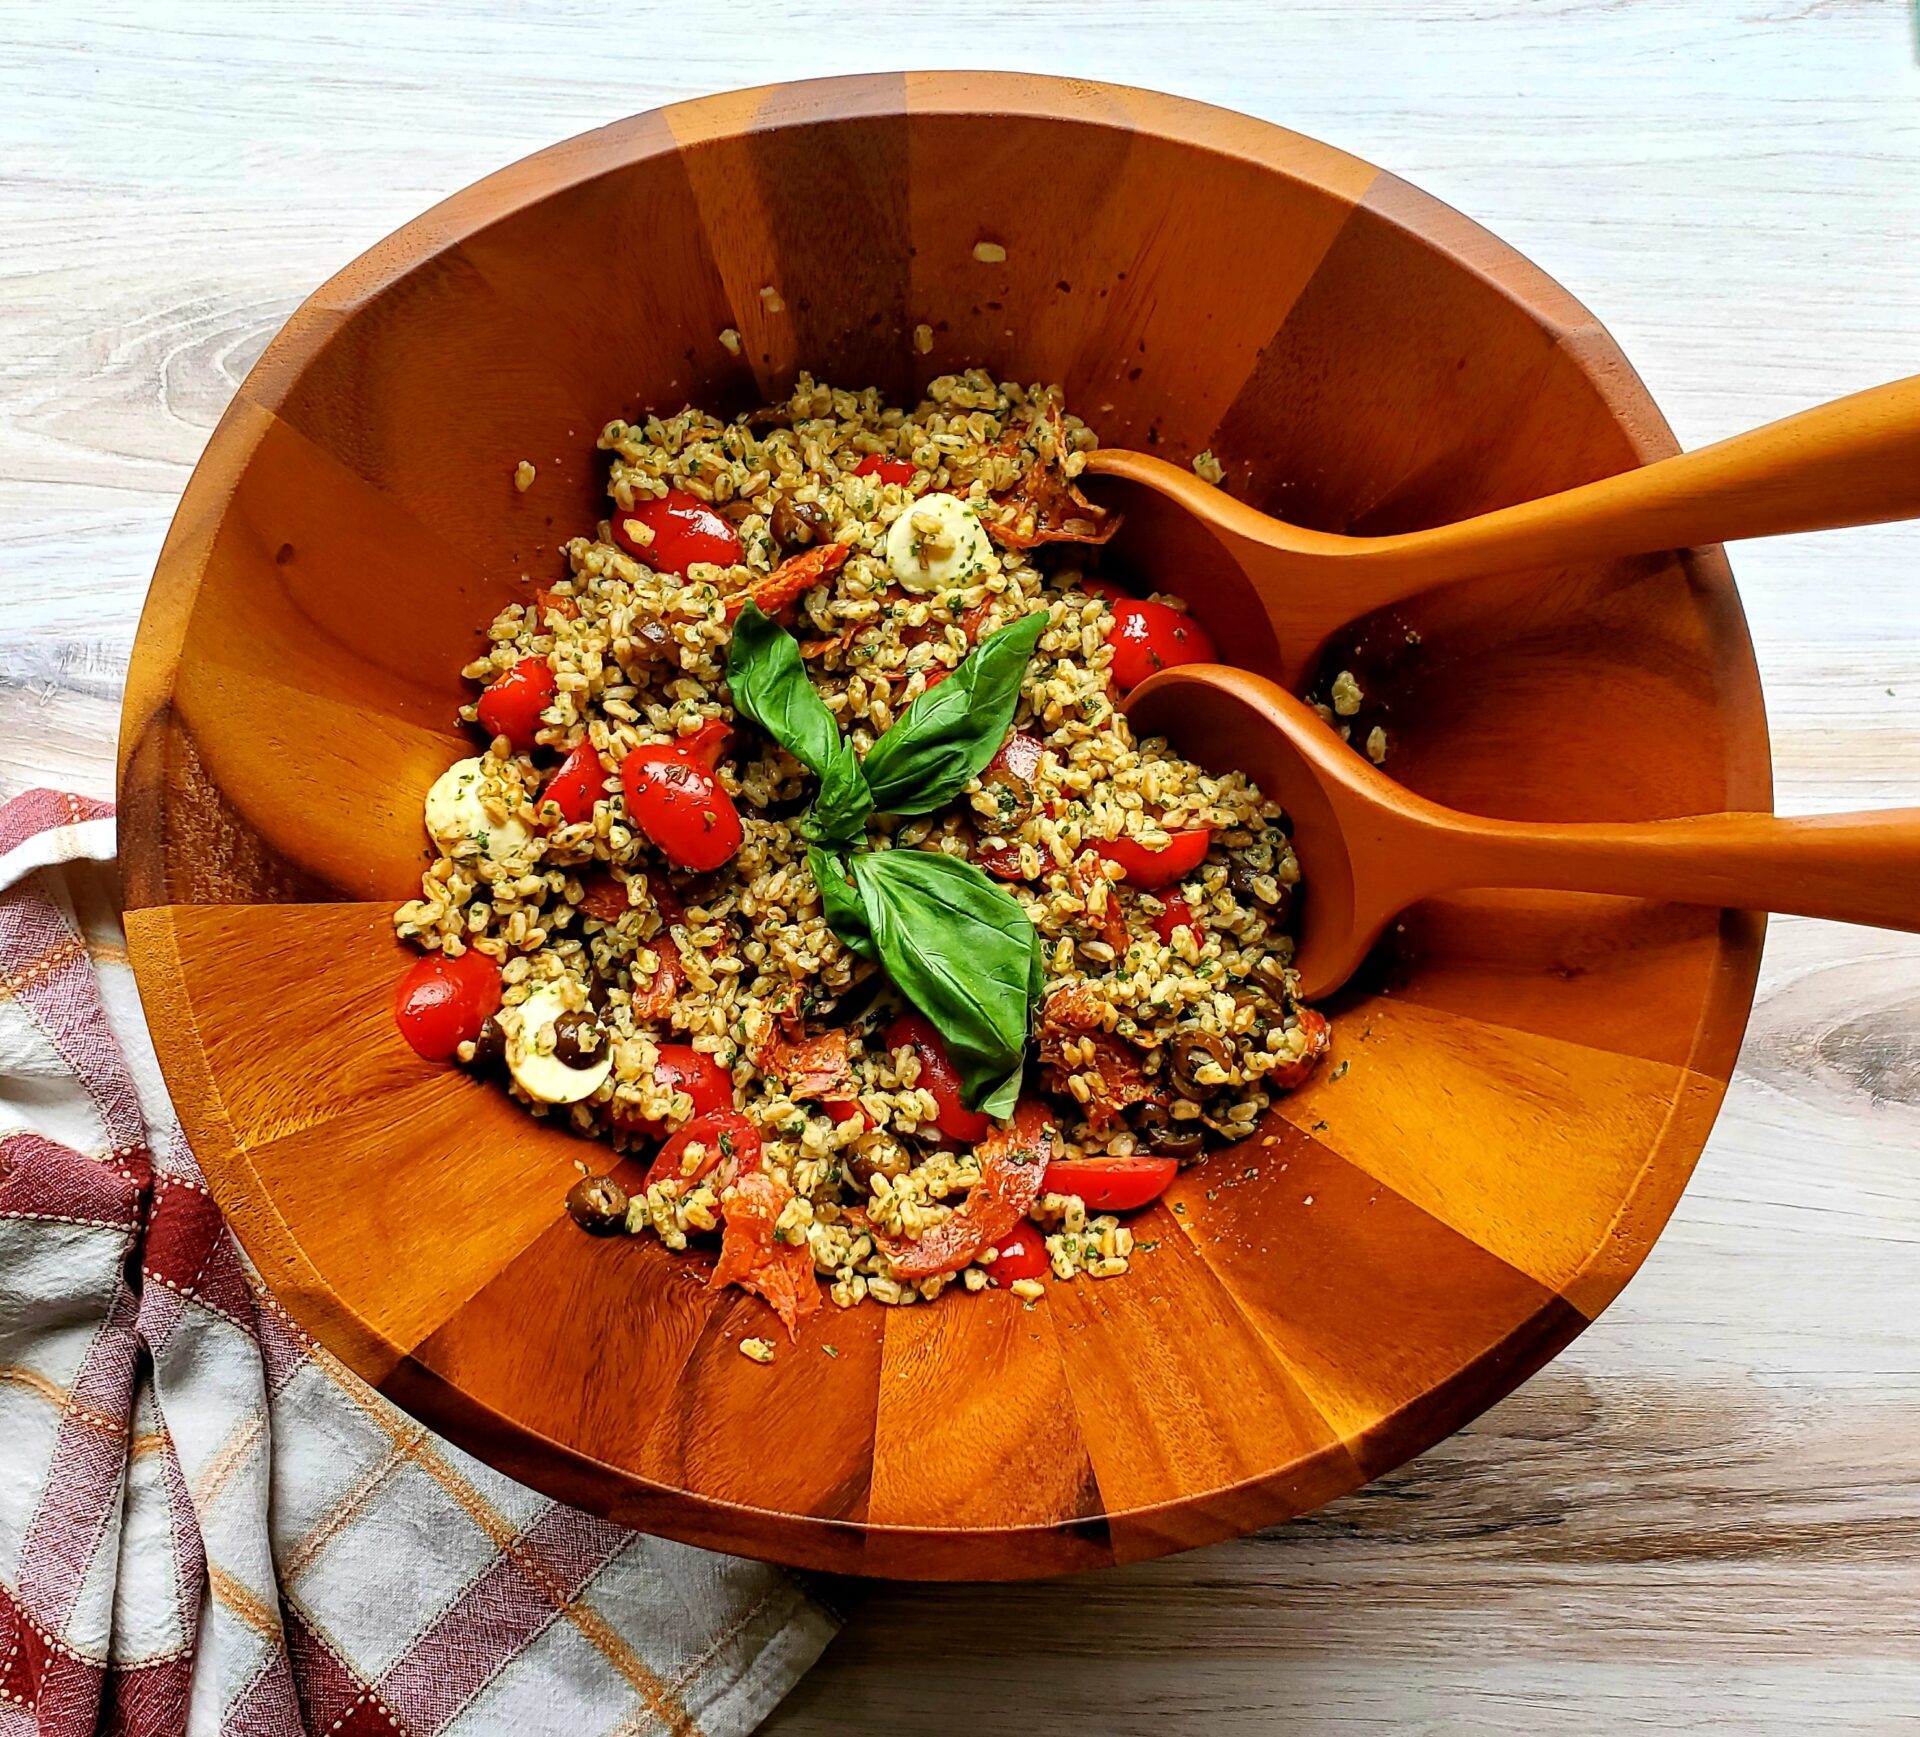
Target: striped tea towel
[[206, 1523]]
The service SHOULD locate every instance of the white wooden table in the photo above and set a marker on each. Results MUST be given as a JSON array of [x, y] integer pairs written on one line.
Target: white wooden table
[[1706, 1514]]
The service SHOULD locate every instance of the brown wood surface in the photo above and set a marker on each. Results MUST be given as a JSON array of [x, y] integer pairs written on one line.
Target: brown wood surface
[[1855, 461], [1424, 1226], [1377, 848]]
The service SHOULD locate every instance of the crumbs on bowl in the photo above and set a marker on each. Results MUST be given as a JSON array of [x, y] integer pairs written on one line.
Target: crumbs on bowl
[[923, 338], [770, 299], [989, 252], [1208, 468], [757, 1350], [730, 341], [523, 475]]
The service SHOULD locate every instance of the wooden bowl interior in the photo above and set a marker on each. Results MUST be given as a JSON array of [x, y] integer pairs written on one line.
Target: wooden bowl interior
[[1516, 1099]]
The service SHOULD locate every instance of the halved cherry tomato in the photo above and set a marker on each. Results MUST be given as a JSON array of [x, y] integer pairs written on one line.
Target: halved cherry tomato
[[888, 470], [1319, 1041], [511, 707], [1105, 590], [708, 743], [1023, 1255], [938, 1074], [1019, 754], [1111, 1184], [579, 783], [682, 1068], [685, 530], [844, 1110], [1149, 636], [730, 1140], [1002, 861], [1152, 869], [442, 1003], [1177, 914], [679, 804], [936, 674]]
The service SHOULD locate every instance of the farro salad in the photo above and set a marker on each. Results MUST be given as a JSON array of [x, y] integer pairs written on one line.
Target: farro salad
[[809, 860]]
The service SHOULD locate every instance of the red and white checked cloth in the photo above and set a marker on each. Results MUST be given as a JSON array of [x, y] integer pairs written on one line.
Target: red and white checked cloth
[[206, 1523]]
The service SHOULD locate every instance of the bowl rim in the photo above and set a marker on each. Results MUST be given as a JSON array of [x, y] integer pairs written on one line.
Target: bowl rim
[[914, 1551]]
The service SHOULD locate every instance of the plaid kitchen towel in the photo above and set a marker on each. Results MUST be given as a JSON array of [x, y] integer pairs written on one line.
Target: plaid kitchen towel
[[206, 1523]]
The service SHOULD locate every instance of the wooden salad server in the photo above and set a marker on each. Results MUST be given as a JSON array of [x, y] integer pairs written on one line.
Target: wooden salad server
[[1369, 848], [1855, 461]]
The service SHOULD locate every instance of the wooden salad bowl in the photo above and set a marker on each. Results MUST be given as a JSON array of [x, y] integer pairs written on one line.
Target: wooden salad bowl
[[1520, 1083]]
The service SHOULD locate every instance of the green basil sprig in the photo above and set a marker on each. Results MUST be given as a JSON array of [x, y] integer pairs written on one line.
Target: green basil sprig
[[958, 946]]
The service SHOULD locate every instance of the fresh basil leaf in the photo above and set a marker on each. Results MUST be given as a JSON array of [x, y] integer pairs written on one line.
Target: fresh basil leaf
[[960, 948], [770, 684], [945, 738], [999, 1102], [846, 914]]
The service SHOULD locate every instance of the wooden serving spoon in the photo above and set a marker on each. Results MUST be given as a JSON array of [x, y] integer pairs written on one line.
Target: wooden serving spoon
[[1369, 848], [1855, 461]]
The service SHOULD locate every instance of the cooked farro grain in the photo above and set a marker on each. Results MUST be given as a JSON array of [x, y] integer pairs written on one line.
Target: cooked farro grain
[[639, 1001]]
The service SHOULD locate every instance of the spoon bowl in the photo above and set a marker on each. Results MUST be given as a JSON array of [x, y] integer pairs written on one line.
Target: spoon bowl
[[1369, 848]]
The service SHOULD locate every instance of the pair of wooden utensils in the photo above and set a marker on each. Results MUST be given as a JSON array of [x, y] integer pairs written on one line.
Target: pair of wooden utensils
[[1371, 848]]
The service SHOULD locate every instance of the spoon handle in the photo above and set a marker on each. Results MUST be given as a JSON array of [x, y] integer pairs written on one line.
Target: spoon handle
[[1855, 461], [1851, 868]]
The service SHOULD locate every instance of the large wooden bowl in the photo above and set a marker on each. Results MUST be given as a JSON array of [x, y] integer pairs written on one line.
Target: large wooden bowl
[[1517, 1101]]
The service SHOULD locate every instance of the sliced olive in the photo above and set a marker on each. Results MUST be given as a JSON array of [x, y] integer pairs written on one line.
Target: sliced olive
[[1167, 1138], [577, 1040], [598, 1204], [489, 1047], [1270, 978], [1191, 1052], [656, 637], [877, 1158], [797, 523], [1012, 794], [1241, 875]]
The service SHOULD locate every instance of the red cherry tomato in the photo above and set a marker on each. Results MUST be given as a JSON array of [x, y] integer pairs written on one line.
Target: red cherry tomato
[[938, 1074], [1319, 1041], [936, 674], [1151, 869], [511, 707], [1002, 861], [1149, 636], [1105, 590], [679, 804], [1023, 1255], [685, 530], [1178, 914], [888, 470], [708, 743], [844, 1110], [1111, 1184], [579, 783], [730, 1139], [682, 1068], [442, 1003]]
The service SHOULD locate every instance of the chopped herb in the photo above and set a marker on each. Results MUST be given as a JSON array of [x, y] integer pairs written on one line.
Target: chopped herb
[[831, 1350], [1341, 1071]]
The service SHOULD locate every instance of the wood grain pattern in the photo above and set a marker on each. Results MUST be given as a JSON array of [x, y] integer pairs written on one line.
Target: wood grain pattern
[[1699, 1515], [280, 703]]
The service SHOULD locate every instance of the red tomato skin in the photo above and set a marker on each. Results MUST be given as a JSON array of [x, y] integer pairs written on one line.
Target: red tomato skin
[[1111, 1184], [1177, 915], [578, 784], [1023, 1255], [707, 744], [685, 530], [683, 1068], [1150, 636], [511, 707], [1105, 589], [681, 807], [888, 470], [938, 1074], [1152, 869], [936, 674], [707, 1129], [442, 1003], [844, 1110]]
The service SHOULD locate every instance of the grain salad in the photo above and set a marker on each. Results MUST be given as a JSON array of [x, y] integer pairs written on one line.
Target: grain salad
[[806, 858]]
